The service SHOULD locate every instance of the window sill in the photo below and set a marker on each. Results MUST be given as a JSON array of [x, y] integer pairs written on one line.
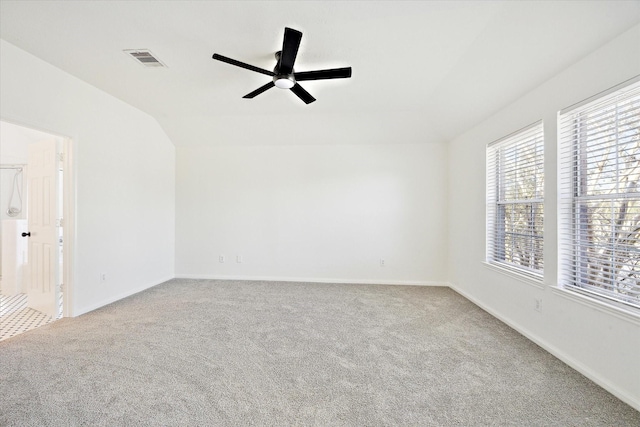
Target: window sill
[[525, 278], [619, 312]]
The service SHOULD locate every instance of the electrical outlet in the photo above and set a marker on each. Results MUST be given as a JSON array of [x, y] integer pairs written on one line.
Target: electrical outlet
[[538, 305], [239, 259], [221, 259], [381, 262], [103, 277]]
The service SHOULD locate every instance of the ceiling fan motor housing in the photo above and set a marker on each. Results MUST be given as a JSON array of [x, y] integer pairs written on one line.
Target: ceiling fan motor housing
[[283, 81]]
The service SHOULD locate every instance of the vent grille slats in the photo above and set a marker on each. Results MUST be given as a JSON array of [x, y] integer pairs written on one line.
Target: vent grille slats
[[144, 57]]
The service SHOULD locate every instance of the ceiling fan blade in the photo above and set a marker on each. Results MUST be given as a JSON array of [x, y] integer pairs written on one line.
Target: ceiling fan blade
[[259, 90], [290, 47], [242, 64], [302, 94], [334, 73]]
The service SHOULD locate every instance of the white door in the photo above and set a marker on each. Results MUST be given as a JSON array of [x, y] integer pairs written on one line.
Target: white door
[[42, 211]]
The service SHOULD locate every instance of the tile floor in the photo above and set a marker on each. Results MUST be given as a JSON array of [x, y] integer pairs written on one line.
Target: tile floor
[[16, 317]]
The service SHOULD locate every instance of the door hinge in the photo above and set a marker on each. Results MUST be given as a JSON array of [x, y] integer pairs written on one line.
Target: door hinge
[[61, 157]]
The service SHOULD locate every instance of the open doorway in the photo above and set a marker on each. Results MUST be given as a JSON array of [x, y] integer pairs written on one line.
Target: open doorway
[[34, 231]]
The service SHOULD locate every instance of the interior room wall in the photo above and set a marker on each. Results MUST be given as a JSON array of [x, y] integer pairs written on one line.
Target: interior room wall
[[13, 143], [315, 213], [13, 151], [602, 344], [124, 167]]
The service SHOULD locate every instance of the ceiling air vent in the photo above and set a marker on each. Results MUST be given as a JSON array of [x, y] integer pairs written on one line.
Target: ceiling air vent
[[144, 57]]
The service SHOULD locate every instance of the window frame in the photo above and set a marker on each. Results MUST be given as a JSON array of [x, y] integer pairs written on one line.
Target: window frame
[[574, 198], [529, 138]]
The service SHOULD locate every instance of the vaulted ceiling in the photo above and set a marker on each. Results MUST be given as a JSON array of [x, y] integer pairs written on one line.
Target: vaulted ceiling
[[422, 71]]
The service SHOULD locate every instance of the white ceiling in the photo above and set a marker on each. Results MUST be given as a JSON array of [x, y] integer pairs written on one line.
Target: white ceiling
[[422, 71]]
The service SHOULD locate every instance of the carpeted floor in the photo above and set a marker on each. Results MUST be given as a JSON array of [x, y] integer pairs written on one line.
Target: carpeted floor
[[217, 353]]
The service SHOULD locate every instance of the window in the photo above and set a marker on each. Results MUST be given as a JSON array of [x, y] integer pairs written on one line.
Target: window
[[515, 201], [600, 197]]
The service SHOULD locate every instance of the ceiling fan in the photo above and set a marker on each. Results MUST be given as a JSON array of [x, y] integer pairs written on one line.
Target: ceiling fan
[[283, 74]]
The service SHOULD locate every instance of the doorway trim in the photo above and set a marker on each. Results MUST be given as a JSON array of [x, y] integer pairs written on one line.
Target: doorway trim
[[69, 225]]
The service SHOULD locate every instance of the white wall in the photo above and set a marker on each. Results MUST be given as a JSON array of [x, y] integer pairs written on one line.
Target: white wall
[[13, 142], [124, 170], [317, 213], [13, 151], [602, 344]]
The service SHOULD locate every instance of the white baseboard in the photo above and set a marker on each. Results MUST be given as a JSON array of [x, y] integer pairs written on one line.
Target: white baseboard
[[584, 370], [83, 310], [313, 280]]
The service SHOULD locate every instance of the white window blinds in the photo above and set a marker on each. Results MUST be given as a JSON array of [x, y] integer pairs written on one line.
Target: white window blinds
[[600, 197], [515, 200]]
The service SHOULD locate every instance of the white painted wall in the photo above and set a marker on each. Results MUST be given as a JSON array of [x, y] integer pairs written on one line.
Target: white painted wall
[[13, 151], [13, 143], [316, 213], [602, 344], [125, 176]]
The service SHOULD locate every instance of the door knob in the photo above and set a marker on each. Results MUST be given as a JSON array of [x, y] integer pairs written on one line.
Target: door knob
[[26, 234]]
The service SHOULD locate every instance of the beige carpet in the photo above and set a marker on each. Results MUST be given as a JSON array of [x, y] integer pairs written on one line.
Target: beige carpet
[[219, 353]]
